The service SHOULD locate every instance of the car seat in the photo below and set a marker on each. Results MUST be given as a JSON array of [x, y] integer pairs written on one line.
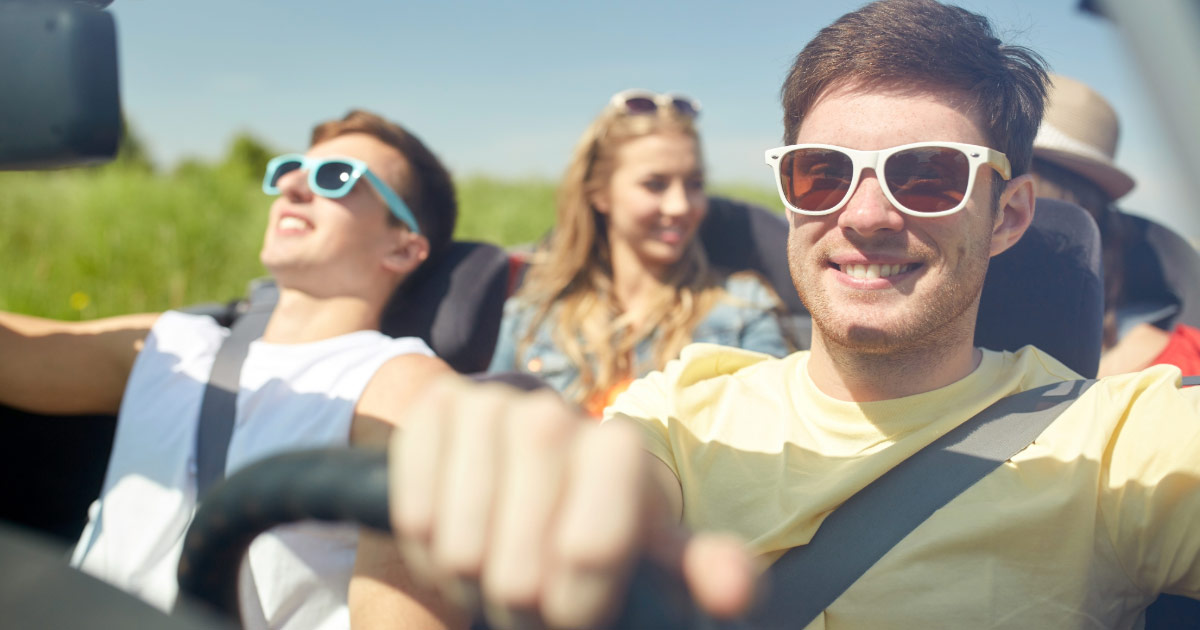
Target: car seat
[[1161, 272]]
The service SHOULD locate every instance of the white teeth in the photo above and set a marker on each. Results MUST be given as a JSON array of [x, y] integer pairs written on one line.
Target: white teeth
[[874, 270], [292, 223]]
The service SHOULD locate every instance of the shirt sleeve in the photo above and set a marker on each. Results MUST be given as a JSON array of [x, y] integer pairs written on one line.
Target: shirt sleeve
[[646, 405], [652, 403], [1151, 485]]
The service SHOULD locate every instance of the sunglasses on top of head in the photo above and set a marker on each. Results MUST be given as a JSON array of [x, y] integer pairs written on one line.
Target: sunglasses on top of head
[[924, 179], [334, 177], [647, 102]]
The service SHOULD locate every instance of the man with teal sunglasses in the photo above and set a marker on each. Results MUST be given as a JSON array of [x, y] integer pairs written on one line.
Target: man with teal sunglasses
[[321, 375]]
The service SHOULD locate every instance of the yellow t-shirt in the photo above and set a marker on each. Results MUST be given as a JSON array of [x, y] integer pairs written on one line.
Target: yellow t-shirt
[[1082, 529]]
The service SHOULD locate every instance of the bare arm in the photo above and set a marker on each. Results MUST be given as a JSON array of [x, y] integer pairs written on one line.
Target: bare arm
[[382, 593], [55, 367], [395, 387], [1135, 351]]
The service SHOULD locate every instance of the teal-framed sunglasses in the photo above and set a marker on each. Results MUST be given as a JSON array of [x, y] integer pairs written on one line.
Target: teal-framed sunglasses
[[333, 177]]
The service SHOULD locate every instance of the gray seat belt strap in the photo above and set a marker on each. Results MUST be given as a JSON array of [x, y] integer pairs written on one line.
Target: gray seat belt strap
[[218, 408], [807, 579]]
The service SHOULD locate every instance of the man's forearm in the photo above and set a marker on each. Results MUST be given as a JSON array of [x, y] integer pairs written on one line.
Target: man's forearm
[[54, 367]]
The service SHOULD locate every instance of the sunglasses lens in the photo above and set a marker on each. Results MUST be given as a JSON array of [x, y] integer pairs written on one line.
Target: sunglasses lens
[[283, 169], [332, 178], [640, 105], [815, 179], [685, 107], [928, 179]]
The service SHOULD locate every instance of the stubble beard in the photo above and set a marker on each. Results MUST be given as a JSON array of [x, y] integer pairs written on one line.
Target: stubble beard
[[910, 336]]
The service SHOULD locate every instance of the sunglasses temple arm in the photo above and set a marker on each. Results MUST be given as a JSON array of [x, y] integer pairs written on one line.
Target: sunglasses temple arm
[[394, 202]]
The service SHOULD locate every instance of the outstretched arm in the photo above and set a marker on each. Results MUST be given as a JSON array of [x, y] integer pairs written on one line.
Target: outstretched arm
[[54, 367]]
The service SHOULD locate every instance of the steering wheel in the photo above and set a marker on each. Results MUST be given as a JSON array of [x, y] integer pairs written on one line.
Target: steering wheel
[[350, 485]]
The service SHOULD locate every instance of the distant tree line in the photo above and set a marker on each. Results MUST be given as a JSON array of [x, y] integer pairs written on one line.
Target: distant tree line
[[246, 158]]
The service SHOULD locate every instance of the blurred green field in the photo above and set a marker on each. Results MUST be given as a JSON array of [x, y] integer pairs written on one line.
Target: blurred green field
[[121, 238]]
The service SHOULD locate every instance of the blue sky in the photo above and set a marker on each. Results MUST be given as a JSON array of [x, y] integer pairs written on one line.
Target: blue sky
[[506, 88]]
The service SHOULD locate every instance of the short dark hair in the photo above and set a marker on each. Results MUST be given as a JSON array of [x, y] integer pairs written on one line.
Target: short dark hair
[[428, 191], [924, 43]]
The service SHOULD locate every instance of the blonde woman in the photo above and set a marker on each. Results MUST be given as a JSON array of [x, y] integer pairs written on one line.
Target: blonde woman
[[622, 284]]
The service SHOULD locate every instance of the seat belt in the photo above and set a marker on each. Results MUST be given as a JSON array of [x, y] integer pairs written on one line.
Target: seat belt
[[807, 579], [218, 408]]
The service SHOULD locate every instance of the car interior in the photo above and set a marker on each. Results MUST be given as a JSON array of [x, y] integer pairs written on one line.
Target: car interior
[[1047, 291], [459, 302]]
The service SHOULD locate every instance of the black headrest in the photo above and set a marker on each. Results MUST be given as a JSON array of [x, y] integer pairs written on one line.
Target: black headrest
[[738, 235], [455, 306], [1046, 290], [1161, 273]]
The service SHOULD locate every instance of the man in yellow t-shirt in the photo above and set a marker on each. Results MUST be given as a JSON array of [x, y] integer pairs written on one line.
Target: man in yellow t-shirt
[[909, 131], [1081, 529]]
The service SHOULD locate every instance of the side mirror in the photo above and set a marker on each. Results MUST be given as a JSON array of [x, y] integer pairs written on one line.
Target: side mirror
[[59, 99]]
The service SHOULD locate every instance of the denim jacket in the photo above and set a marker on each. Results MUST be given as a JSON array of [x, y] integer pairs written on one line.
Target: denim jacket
[[746, 317]]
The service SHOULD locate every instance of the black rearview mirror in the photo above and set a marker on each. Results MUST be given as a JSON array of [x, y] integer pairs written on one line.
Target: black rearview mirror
[[59, 99]]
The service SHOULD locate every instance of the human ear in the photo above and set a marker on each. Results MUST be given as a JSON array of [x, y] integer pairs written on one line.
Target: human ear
[[1014, 214], [407, 253], [600, 201]]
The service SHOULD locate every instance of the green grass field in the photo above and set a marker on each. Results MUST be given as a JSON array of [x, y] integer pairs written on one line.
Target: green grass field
[[85, 243]]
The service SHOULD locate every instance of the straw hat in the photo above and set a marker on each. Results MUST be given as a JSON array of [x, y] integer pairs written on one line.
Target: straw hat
[[1079, 132]]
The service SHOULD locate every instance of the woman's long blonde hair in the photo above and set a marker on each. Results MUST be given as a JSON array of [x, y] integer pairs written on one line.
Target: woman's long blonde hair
[[573, 270]]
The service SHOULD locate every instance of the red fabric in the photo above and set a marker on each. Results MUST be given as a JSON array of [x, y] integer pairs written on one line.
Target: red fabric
[[1183, 350], [598, 402], [516, 264]]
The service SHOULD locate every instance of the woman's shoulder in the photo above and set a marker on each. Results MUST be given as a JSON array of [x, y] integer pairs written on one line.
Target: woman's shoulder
[[520, 306], [520, 312]]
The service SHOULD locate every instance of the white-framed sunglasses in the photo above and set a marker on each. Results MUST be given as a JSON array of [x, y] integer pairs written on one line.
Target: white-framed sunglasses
[[647, 102], [923, 179]]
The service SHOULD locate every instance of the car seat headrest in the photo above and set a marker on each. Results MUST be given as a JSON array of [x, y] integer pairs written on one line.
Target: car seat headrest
[[1160, 275], [741, 236], [455, 306], [1047, 290]]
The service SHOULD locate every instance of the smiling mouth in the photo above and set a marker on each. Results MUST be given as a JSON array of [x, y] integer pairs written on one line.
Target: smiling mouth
[[671, 235], [871, 271], [292, 223]]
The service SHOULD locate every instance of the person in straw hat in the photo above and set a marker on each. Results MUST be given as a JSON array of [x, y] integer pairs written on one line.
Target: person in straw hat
[[1073, 161]]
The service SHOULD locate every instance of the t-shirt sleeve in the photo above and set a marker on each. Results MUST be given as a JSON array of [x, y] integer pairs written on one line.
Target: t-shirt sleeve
[[1151, 498], [656, 403], [646, 405]]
